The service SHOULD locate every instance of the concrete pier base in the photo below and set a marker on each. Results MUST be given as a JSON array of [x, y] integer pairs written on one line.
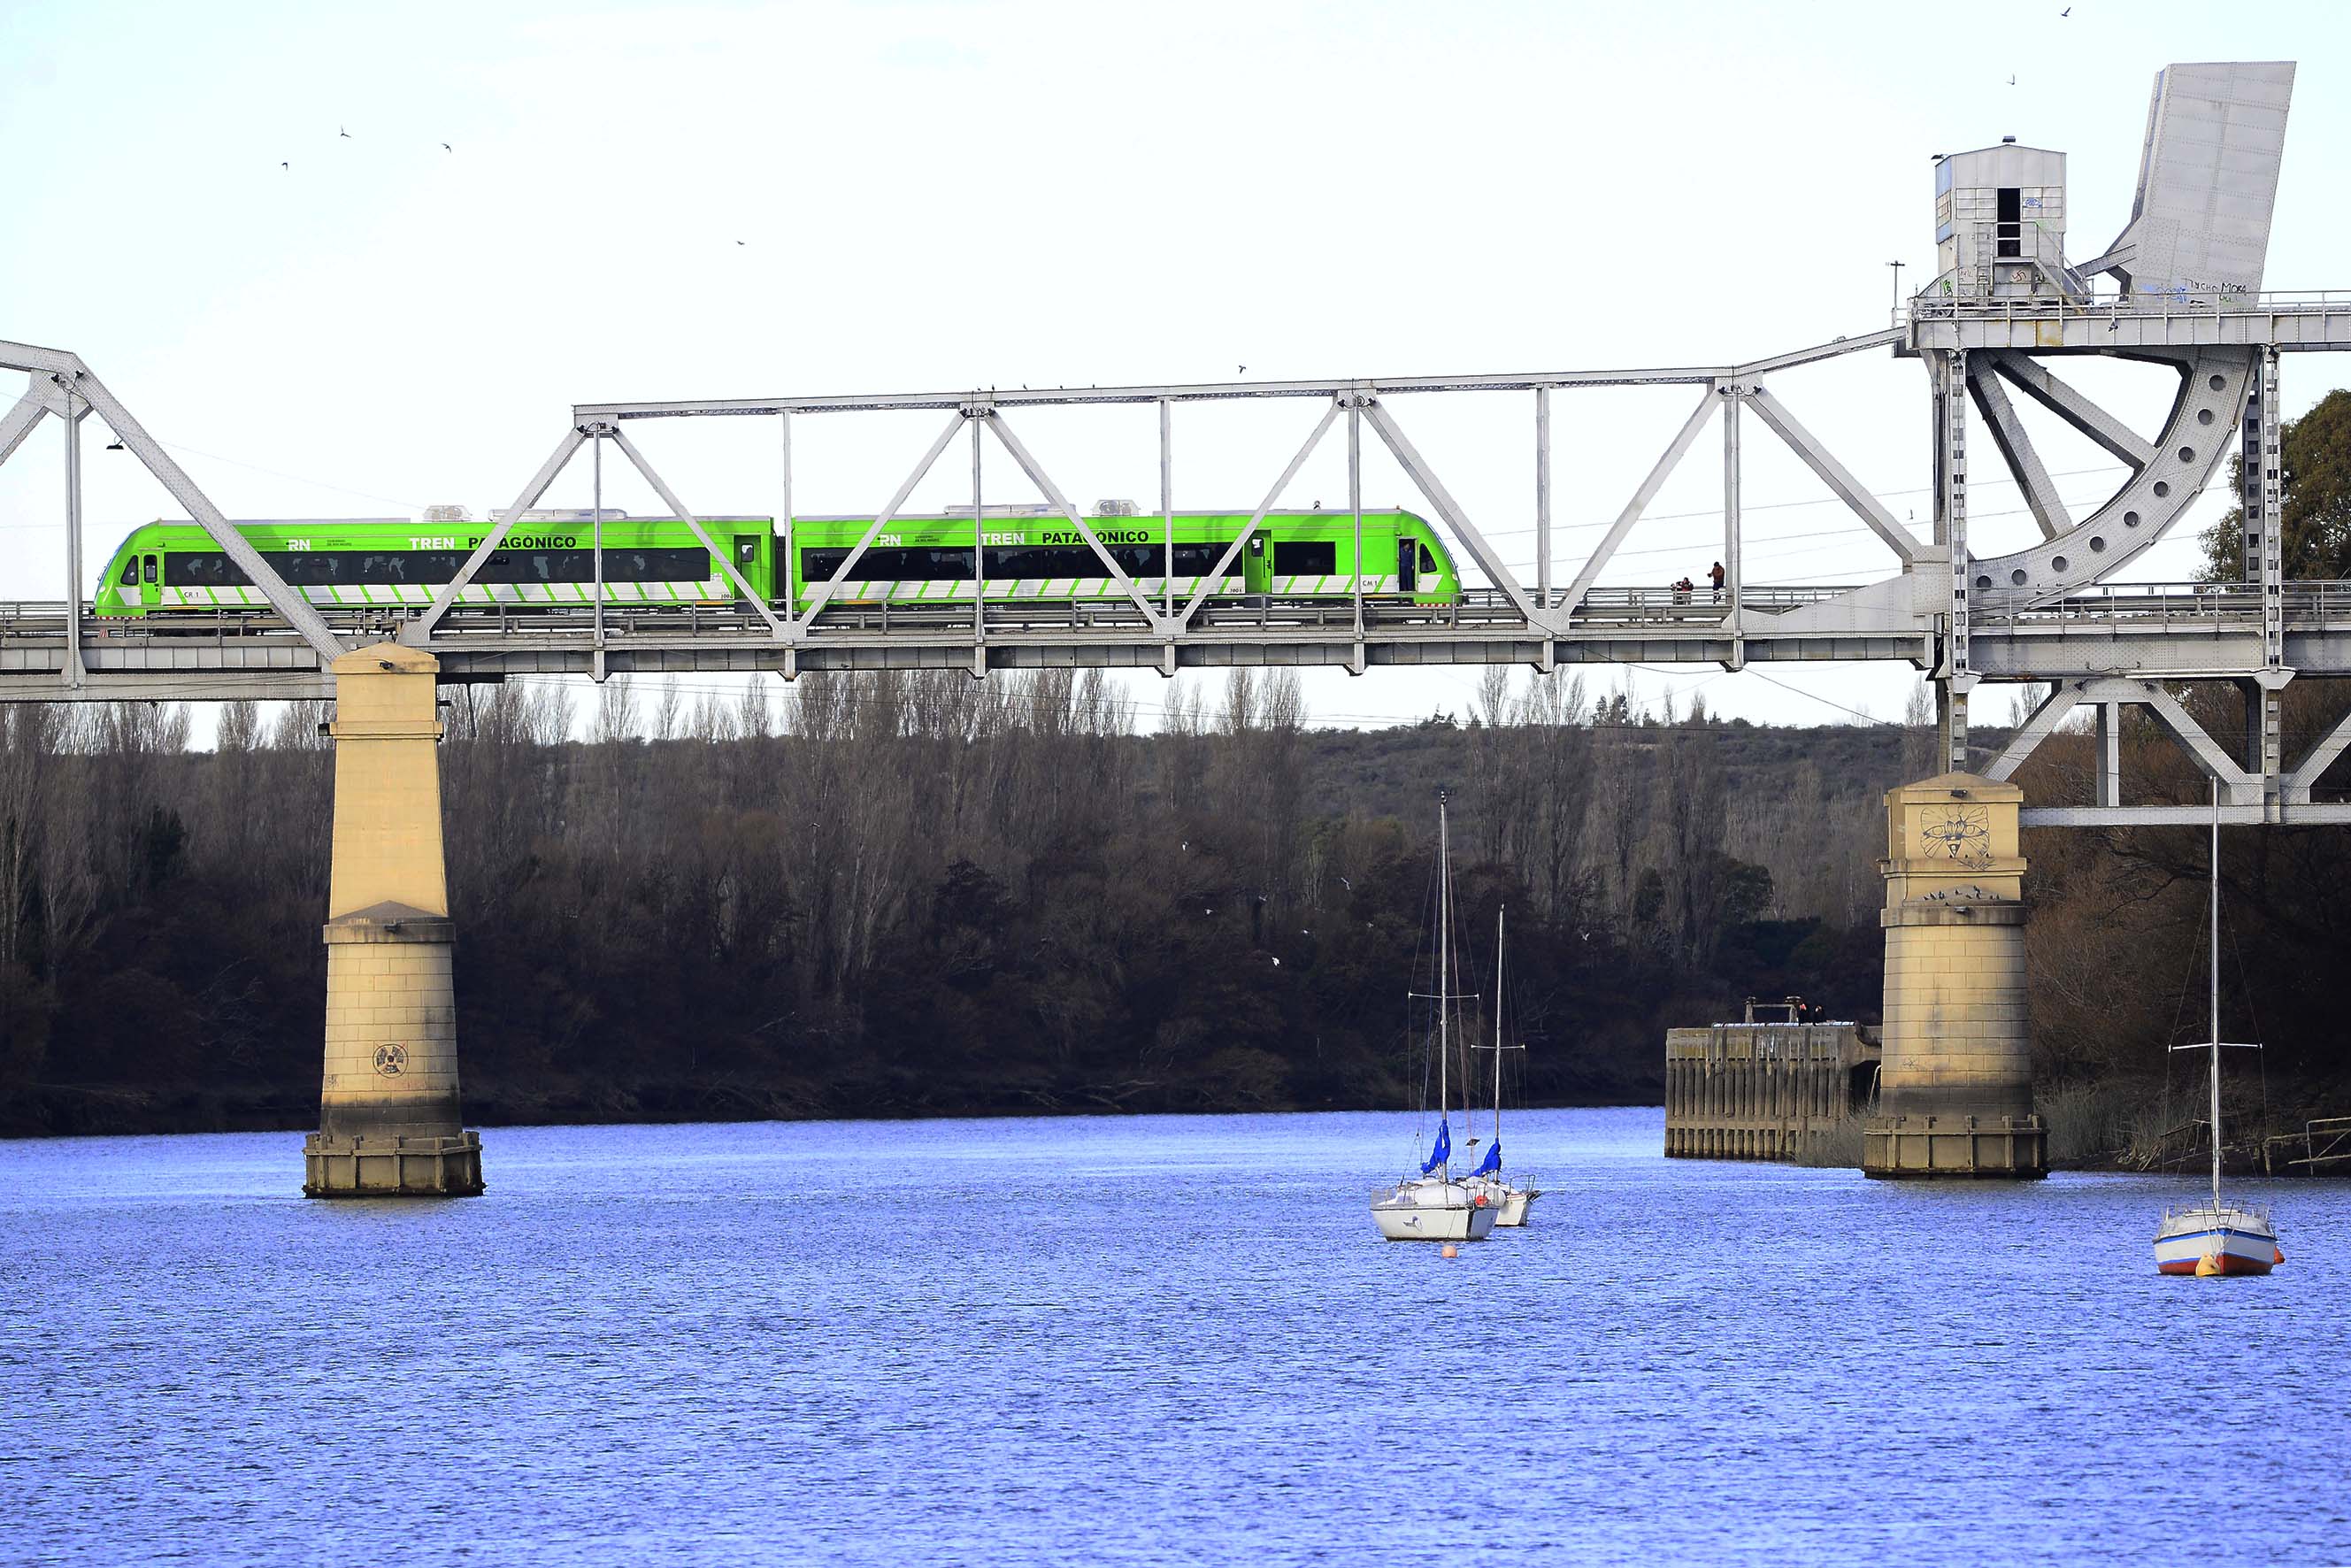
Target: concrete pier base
[[390, 1121], [1903, 1146], [1955, 1095]]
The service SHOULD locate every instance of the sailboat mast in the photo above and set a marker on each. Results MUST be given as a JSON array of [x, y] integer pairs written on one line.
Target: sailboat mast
[[1497, 1023], [2216, 994], [1444, 933]]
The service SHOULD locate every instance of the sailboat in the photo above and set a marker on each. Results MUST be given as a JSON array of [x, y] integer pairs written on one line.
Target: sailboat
[[2218, 1237], [1509, 1199], [1432, 1205]]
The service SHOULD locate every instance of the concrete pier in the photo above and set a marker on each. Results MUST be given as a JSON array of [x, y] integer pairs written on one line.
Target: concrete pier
[[1955, 1096], [389, 1118], [1764, 1090]]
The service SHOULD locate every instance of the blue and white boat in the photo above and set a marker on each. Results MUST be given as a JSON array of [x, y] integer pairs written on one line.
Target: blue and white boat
[[1509, 1200], [2219, 1236], [1432, 1205]]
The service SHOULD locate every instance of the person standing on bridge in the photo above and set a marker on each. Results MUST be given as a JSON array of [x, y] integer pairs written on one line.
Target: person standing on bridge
[[1715, 576]]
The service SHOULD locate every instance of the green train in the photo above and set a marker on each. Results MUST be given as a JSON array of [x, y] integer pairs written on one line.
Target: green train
[[548, 560]]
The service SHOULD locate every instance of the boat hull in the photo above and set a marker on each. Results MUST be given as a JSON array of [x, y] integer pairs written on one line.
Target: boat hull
[[1433, 1211], [1509, 1203], [2234, 1241]]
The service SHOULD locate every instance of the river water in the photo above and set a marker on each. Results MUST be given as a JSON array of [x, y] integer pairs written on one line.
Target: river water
[[1153, 1339]]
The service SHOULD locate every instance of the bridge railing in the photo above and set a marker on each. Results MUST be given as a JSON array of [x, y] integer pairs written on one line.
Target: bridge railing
[[2134, 607], [2042, 307], [2306, 602]]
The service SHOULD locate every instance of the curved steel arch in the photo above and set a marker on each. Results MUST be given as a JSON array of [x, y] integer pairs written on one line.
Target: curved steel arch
[[2167, 472]]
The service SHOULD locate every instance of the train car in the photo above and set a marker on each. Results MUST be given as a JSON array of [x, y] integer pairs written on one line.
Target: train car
[[353, 561], [548, 560], [1040, 556]]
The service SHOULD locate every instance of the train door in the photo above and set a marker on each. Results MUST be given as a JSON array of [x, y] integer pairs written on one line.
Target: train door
[[1257, 574], [151, 590], [1408, 565], [746, 561]]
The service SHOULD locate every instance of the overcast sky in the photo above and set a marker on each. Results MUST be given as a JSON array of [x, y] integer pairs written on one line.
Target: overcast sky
[[246, 219]]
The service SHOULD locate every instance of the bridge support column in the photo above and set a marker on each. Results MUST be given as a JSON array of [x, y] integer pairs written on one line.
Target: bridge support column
[[1955, 1095], [389, 1122]]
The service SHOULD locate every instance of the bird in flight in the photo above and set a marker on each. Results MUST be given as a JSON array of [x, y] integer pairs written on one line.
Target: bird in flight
[[446, 147], [738, 242], [1240, 370], [2066, 11], [286, 165], [2011, 81], [346, 135]]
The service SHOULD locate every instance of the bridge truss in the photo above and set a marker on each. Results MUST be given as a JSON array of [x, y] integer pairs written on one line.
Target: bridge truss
[[2046, 614]]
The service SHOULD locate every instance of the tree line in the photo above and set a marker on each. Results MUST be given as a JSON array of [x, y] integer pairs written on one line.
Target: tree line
[[916, 894]]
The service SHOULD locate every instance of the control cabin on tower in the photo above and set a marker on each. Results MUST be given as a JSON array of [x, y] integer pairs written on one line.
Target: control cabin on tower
[[1999, 222]]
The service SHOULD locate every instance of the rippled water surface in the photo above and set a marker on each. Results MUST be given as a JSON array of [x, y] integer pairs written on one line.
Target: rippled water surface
[[1139, 1341]]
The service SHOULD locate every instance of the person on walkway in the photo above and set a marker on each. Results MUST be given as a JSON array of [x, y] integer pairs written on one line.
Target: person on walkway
[[1682, 587], [1716, 576]]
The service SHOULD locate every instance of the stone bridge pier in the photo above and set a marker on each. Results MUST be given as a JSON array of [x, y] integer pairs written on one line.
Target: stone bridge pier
[[1955, 1088], [388, 1120]]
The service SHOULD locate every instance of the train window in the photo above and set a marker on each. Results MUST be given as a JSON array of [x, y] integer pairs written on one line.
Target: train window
[[198, 569], [747, 551], [1197, 561], [150, 568], [1044, 563], [1006, 562], [912, 564], [1305, 558], [1428, 559], [324, 568], [129, 572]]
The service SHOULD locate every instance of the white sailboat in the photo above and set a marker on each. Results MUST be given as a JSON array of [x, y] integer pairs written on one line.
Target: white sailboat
[[2217, 1237], [1508, 1198], [1432, 1205]]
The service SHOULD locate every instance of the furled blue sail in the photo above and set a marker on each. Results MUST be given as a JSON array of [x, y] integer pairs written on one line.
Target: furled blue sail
[[1493, 1163], [1444, 1150]]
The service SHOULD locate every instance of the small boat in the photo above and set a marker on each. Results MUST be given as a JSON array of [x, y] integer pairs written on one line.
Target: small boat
[[1508, 1198], [2217, 1237], [1432, 1205]]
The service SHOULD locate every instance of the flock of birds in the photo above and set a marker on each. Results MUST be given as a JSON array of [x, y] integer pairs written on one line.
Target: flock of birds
[[343, 132]]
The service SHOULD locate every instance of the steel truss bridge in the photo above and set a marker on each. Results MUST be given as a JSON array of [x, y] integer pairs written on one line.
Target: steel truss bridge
[[2007, 315], [2044, 614]]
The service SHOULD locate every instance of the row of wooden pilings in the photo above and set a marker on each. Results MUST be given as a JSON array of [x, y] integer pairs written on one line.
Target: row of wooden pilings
[[1760, 1090]]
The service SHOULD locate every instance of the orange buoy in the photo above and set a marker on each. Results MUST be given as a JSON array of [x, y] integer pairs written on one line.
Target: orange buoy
[[1450, 1252], [1480, 1200], [2208, 1265], [2278, 1255]]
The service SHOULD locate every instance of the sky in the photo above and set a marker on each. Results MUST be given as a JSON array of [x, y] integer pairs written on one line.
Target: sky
[[354, 260]]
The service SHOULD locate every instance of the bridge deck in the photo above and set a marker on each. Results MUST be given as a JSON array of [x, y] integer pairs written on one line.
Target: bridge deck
[[2149, 630]]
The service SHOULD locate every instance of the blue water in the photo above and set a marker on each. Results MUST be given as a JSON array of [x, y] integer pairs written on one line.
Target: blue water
[[1161, 1340]]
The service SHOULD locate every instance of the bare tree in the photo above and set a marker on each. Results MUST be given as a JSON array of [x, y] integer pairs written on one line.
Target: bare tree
[[615, 718], [239, 728], [668, 716]]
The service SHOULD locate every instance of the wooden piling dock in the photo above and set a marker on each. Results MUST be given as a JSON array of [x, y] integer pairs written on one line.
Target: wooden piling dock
[[1764, 1089]]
